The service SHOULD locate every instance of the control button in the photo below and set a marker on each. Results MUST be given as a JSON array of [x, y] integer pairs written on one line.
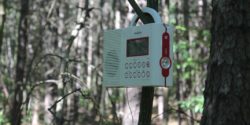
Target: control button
[[138, 74], [130, 75], [148, 74], [143, 74], [126, 65], [134, 64], [148, 64], [139, 64], [134, 74], [130, 65], [126, 74], [143, 64]]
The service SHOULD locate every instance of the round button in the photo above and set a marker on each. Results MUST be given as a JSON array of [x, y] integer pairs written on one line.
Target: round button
[[130, 75], [134, 64], [143, 64], [138, 74], [148, 64], [148, 74], [139, 64], [143, 74]]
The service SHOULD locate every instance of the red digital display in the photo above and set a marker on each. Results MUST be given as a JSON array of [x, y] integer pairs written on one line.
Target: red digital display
[[137, 47]]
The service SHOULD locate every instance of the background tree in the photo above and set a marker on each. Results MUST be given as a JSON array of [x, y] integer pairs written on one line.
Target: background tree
[[227, 86], [2, 21], [16, 111]]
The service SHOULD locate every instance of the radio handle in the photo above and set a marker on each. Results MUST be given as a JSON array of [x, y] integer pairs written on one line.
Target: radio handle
[[151, 12]]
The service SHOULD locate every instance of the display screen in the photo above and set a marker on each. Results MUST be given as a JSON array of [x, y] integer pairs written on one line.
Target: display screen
[[137, 47]]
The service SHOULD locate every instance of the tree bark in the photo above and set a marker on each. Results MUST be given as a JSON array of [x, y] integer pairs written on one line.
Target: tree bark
[[227, 97], [16, 111], [2, 21], [177, 59]]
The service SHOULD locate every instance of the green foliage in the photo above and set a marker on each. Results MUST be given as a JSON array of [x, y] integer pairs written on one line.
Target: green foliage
[[186, 63], [190, 59], [194, 103], [3, 119], [181, 28]]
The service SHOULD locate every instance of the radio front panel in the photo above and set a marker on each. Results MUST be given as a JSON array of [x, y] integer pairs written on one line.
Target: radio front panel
[[132, 56]]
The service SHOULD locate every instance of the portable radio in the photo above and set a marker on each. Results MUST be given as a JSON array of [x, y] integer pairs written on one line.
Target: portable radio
[[139, 55]]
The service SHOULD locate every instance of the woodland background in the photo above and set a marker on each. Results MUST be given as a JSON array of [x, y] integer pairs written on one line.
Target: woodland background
[[51, 63]]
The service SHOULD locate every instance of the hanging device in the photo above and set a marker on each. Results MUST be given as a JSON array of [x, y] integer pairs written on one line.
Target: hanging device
[[139, 55]]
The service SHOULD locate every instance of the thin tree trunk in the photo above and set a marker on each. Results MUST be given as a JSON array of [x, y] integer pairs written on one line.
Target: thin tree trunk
[[62, 111], [74, 99], [160, 101], [146, 104], [186, 88], [35, 112], [48, 101], [178, 70], [2, 21], [89, 58], [227, 87], [16, 111], [204, 13]]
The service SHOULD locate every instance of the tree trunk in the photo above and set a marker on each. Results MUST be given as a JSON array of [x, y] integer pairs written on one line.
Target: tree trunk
[[35, 112], [74, 99], [16, 111], [178, 70], [147, 96], [204, 13], [2, 21], [227, 97], [160, 101]]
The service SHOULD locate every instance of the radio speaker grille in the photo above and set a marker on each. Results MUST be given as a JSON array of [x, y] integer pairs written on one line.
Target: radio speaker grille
[[112, 60], [112, 63]]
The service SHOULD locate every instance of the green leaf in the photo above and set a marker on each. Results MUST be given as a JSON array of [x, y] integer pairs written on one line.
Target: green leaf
[[181, 28]]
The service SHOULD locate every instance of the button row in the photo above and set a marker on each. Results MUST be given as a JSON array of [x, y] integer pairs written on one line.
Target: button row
[[135, 65], [137, 74]]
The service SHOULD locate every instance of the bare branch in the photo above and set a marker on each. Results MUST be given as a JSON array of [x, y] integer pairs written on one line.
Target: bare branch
[[51, 9], [59, 100]]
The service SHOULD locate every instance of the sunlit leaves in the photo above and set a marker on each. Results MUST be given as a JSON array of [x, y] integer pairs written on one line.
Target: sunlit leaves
[[194, 103]]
